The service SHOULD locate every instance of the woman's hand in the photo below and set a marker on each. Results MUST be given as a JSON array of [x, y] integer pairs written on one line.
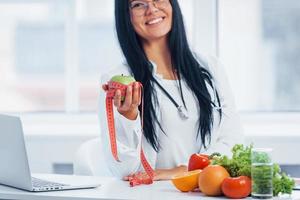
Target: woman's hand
[[129, 107], [163, 174]]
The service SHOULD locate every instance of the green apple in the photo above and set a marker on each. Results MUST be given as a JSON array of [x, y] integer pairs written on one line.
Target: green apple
[[125, 80]]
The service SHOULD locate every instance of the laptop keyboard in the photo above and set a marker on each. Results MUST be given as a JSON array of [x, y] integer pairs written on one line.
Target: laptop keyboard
[[43, 183]]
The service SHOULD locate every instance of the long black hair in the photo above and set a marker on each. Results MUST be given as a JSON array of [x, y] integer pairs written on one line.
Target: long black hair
[[183, 62]]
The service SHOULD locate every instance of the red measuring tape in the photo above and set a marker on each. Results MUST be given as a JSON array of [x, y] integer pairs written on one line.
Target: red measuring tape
[[138, 178]]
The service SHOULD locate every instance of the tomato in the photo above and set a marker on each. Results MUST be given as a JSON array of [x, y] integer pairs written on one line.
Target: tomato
[[198, 161], [236, 187]]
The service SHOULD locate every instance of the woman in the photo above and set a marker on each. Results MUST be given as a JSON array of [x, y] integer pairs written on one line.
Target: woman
[[188, 107]]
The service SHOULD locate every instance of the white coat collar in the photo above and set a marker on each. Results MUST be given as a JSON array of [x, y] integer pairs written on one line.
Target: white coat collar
[[159, 76]]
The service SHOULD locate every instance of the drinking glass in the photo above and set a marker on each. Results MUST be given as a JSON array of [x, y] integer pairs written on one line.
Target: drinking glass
[[262, 173]]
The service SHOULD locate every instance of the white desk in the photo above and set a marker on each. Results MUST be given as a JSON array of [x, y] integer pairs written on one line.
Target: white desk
[[111, 189]]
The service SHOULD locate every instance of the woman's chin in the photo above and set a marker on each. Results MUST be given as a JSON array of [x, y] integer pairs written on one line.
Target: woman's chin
[[157, 35]]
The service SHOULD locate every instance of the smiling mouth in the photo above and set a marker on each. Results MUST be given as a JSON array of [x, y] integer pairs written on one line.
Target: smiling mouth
[[155, 21]]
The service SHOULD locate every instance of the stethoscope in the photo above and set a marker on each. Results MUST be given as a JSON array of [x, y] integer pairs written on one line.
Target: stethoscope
[[182, 111]]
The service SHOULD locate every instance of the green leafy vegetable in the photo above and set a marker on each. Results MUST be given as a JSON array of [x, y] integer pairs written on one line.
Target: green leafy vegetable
[[281, 182], [240, 165]]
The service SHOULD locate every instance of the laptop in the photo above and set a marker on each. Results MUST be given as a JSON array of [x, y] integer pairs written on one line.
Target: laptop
[[14, 166], [297, 184]]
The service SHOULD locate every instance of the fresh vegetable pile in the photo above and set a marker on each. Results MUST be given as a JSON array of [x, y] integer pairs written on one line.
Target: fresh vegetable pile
[[217, 174], [240, 165]]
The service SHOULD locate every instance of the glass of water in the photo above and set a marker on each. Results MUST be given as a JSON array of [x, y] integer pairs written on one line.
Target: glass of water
[[262, 173]]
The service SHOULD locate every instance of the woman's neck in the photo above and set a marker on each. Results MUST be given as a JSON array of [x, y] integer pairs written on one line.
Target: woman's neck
[[159, 52]]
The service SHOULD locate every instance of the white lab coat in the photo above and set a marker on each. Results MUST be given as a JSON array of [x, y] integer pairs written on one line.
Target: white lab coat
[[129, 132]]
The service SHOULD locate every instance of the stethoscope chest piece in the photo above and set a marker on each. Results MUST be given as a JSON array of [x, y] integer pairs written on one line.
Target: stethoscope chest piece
[[183, 113]]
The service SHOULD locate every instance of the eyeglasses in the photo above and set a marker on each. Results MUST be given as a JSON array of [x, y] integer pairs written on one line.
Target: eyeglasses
[[139, 8]]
